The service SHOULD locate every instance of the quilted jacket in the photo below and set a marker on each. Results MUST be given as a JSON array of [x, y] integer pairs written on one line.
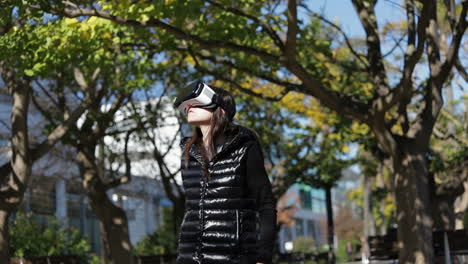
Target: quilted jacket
[[220, 222]]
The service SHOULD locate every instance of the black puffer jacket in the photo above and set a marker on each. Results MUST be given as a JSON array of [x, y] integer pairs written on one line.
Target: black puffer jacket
[[221, 221]]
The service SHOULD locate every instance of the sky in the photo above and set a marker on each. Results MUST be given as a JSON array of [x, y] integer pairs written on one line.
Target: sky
[[343, 12]]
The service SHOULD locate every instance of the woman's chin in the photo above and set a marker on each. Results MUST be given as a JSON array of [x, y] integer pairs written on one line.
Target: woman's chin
[[198, 122], [194, 122]]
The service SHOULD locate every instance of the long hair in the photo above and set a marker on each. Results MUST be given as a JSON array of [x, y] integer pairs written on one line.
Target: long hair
[[220, 123]]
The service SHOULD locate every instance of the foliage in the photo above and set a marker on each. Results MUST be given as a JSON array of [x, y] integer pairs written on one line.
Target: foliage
[[94, 259], [449, 144], [304, 245], [348, 226], [29, 238], [161, 241], [342, 254]]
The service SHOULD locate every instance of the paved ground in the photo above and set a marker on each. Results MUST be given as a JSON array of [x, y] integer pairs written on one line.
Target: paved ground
[[373, 262]]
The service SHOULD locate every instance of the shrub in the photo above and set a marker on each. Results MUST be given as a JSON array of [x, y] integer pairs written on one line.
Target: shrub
[[162, 241], [304, 245], [29, 239]]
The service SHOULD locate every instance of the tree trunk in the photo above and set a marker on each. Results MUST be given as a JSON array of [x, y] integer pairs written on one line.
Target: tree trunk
[[444, 196], [369, 222], [331, 229], [461, 208], [15, 180], [113, 224], [412, 194], [4, 237]]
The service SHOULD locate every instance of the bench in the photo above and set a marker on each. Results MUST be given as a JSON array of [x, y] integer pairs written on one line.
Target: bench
[[386, 247]]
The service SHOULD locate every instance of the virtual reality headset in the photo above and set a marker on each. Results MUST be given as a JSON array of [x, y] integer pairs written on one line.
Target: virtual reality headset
[[196, 94]]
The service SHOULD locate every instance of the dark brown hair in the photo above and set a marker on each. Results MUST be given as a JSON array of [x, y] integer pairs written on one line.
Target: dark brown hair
[[220, 123]]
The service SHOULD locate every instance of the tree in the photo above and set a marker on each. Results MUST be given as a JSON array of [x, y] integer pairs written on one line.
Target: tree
[[262, 39], [74, 62], [15, 174]]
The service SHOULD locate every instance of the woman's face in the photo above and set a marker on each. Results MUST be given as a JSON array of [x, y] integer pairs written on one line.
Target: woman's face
[[199, 116]]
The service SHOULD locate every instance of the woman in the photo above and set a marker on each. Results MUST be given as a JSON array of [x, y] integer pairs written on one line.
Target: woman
[[230, 212]]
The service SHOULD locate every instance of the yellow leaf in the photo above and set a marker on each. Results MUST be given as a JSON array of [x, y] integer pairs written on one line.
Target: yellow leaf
[[345, 148], [70, 21]]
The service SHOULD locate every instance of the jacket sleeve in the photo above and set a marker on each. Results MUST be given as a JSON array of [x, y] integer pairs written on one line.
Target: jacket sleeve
[[259, 187]]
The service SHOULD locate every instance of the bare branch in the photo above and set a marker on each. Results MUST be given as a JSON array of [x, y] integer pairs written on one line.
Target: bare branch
[[128, 165], [59, 131], [44, 112], [44, 90], [461, 70], [356, 54], [397, 44], [452, 53], [401, 93]]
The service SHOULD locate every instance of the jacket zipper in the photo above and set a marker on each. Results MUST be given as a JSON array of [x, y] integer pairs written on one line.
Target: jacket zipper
[[237, 225], [202, 221]]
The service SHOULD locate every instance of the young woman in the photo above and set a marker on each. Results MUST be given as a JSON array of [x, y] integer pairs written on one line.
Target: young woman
[[230, 214]]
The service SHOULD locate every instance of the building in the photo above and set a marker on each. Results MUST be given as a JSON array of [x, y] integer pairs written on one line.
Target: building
[[311, 215], [308, 219], [55, 187]]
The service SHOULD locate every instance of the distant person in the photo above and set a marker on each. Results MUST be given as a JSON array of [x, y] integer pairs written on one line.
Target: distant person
[[349, 250], [230, 212], [365, 251]]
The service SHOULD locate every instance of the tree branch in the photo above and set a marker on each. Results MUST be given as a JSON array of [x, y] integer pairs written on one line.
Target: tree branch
[[452, 53], [356, 54], [461, 70], [76, 11], [221, 77], [226, 62], [265, 27], [368, 20], [128, 165], [291, 35]]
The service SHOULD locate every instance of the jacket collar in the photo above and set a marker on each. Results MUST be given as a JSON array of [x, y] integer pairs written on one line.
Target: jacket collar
[[235, 135]]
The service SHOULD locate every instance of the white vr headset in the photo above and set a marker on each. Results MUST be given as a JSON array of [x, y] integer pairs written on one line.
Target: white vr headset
[[196, 94]]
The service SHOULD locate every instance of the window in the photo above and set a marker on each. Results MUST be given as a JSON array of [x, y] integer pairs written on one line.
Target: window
[[299, 227], [310, 228], [42, 201], [74, 206], [318, 201], [306, 201]]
